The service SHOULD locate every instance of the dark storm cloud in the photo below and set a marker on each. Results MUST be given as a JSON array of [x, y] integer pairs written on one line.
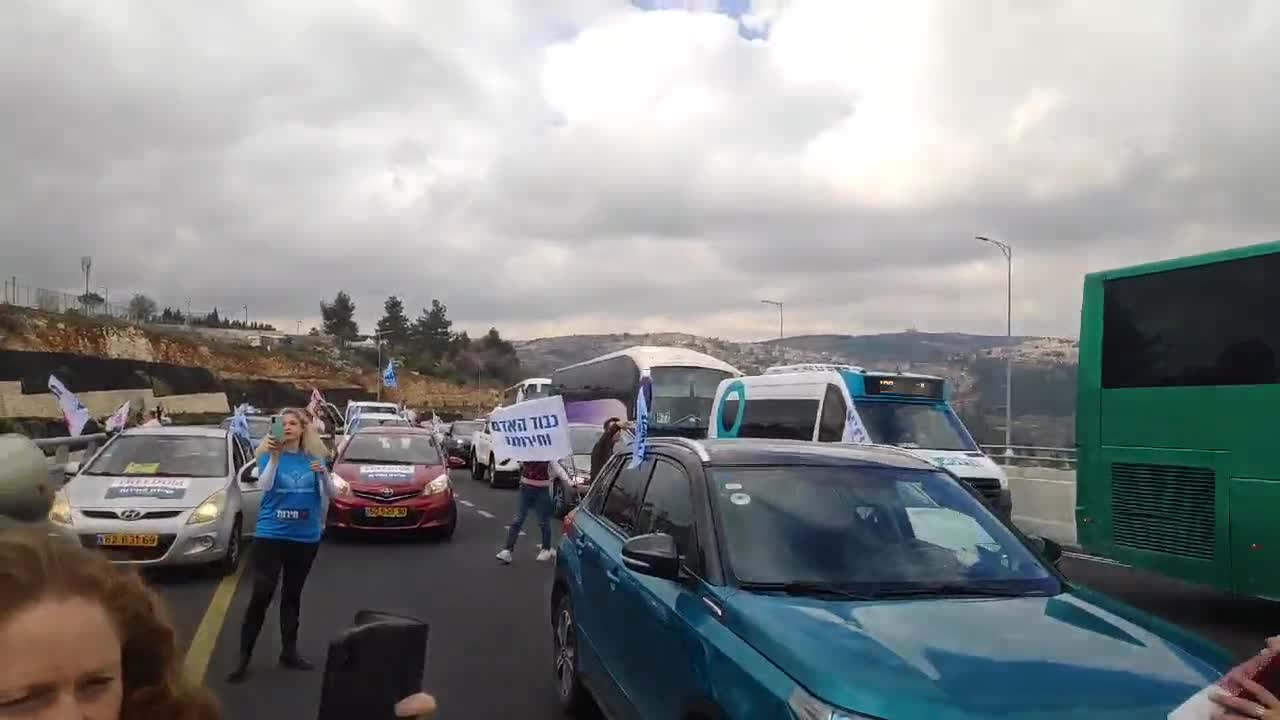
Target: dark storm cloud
[[645, 170]]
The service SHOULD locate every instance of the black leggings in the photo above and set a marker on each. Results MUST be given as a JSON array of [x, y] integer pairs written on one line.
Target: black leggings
[[268, 561]]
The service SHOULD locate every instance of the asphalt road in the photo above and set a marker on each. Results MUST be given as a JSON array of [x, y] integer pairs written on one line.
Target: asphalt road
[[490, 649]]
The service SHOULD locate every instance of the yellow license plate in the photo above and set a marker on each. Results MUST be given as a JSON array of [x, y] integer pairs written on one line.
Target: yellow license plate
[[388, 512], [128, 540]]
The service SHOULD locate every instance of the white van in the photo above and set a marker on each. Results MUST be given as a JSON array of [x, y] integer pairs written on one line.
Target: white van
[[845, 403]]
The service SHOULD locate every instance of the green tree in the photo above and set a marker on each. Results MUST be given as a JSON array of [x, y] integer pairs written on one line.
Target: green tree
[[339, 317], [142, 308], [394, 325], [431, 334]]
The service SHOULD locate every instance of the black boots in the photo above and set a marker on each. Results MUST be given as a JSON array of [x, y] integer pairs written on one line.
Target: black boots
[[241, 670], [293, 661]]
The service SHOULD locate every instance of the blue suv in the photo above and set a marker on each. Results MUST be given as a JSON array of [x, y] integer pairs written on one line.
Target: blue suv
[[779, 579]]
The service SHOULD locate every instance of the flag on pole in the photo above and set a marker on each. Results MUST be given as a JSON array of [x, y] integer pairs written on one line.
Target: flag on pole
[[240, 423], [642, 421], [120, 417], [389, 375], [73, 410], [317, 400]]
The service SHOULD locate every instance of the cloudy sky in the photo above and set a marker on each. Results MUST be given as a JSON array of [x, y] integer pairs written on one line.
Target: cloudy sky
[[595, 166]]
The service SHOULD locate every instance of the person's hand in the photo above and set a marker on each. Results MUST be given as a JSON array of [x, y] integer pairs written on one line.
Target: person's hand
[[1261, 705], [418, 705], [317, 466], [274, 446], [1273, 644]]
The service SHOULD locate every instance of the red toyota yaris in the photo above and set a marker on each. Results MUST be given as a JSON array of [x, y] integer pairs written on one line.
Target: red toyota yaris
[[399, 483]]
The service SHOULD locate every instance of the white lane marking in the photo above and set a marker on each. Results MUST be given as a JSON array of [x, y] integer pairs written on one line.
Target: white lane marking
[[1094, 558], [468, 503], [486, 513]]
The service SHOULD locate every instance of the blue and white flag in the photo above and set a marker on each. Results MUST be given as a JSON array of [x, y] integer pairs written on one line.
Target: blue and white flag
[[389, 375], [642, 422], [73, 410], [240, 423], [120, 418]]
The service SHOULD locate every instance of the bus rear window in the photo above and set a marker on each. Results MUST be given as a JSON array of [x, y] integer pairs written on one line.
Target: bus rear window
[[914, 425]]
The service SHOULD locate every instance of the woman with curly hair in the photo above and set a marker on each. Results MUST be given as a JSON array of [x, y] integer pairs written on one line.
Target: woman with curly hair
[[82, 638]]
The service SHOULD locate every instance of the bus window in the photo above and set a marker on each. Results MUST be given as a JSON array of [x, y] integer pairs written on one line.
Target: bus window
[[532, 392], [914, 425], [776, 418], [683, 396], [831, 425]]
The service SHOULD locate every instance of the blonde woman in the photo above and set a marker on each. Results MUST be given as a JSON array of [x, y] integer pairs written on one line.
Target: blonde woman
[[295, 487]]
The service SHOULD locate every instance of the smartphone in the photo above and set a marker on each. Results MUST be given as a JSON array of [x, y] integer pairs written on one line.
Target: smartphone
[[277, 428], [373, 665]]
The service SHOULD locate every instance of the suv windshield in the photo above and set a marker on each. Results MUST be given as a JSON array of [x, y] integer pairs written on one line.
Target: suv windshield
[[391, 450], [583, 439], [162, 456], [914, 425], [865, 528], [465, 429]]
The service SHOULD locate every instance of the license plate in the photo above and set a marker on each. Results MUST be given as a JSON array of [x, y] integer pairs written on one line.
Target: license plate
[[112, 540], [386, 512]]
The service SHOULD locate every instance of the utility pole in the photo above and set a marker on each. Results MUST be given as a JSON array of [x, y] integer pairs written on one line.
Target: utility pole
[[777, 304], [1007, 250], [377, 338], [86, 263], [246, 317]]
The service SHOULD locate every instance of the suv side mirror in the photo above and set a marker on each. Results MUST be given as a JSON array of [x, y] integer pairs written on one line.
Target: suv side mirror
[[655, 555], [249, 473], [1050, 550], [70, 469]]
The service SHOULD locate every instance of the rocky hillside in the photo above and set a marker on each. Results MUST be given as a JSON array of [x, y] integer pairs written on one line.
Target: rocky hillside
[[1044, 369], [129, 354]]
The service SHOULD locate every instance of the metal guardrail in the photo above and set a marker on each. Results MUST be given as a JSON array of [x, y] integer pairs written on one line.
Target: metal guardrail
[[1032, 456], [62, 446]]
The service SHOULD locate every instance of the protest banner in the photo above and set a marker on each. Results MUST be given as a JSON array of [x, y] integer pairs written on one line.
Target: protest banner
[[531, 430]]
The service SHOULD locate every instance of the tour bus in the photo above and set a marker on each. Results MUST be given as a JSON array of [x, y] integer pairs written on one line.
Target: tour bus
[[1178, 468], [526, 390], [684, 383], [846, 403]]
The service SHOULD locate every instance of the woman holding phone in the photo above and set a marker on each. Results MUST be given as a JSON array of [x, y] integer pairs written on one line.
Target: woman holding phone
[[295, 487]]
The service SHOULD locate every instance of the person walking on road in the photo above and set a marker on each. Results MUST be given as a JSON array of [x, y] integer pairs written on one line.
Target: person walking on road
[[295, 485], [535, 494]]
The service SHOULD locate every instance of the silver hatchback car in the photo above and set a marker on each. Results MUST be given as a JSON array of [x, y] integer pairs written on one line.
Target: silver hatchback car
[[163, 496]]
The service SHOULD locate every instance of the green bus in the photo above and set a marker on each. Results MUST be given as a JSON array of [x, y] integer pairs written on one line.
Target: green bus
[[1178, 421]]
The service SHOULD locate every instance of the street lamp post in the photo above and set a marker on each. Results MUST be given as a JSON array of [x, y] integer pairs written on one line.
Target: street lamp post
[[1007, 250], [777, 304], [377, 338], [246, 316]]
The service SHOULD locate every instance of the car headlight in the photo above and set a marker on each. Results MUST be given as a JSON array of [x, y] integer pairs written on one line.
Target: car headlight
[[209, 510], [437, 486], [807, 707], [60, 512]]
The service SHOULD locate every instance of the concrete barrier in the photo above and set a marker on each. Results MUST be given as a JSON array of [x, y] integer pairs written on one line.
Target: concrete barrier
[[1044, 502], [13, 403]]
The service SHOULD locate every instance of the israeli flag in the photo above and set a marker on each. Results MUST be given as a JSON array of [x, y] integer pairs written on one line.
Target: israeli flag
[[389, 375], [642, 422], [240, 424], [74, 411]]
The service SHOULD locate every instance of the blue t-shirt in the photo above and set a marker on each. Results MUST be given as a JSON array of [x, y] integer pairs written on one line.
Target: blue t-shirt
[[292, 506]]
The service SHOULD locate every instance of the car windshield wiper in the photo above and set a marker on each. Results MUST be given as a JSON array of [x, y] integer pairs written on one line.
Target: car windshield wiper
[[805, 589], [955, 590]]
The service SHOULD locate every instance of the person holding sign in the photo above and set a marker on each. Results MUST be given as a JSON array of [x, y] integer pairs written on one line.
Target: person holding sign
[[295, 486], [535, 432], [536, 477]]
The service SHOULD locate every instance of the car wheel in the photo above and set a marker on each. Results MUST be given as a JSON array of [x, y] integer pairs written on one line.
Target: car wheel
[[476, 472], [492, 473], [445, 534], [569, 690], [559, 501], [231, 560]]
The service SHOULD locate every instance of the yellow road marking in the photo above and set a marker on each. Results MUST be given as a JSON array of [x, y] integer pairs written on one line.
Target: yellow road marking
[[206, 637]]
